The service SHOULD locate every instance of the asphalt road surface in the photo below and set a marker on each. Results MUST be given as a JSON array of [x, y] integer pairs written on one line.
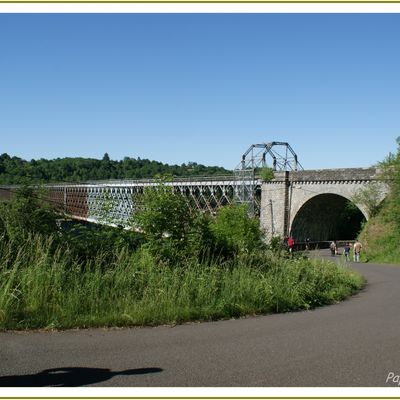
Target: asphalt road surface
[[354, 343]]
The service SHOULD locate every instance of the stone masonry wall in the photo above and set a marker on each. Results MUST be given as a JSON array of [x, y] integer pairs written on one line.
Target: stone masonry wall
[[304, 185]]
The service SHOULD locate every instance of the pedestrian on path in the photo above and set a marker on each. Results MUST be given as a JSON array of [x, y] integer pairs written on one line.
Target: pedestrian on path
[[333, 248], [290, 244], [346, 251], [357, 251]]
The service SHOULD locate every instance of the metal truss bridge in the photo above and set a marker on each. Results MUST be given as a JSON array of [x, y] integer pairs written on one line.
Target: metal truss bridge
[[115, 202]]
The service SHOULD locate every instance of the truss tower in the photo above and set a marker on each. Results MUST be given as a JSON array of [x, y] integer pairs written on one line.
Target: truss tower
[[283, 158]]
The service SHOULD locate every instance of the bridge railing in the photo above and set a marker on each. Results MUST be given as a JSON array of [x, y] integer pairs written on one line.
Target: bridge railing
[[176, 181]]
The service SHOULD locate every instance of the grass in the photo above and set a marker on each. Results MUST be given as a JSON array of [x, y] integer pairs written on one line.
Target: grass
[[380, 241], [45, 286]]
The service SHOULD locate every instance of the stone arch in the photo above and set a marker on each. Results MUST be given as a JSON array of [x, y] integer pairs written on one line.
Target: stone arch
[[284, 196], [326, 216], [302, 192]]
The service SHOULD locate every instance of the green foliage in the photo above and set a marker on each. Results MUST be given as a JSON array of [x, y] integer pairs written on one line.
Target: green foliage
[[163, 213], [234, 230], [14, 170], [381, 234], [172, 229], [370, 197], [380, 241], [201, 241], [165, 219], [85, 240], [276, 244], [185, 266], [40, 288], [267, 174], [391, 175], [27, 213]]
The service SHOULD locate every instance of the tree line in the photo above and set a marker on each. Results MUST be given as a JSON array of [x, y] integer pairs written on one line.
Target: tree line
[[15, 170]]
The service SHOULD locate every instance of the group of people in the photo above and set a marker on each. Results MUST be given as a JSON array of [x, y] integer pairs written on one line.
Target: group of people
[[357, 246], [289, 244]]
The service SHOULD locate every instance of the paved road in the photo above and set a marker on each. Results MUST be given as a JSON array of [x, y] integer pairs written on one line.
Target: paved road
[[354, 343]]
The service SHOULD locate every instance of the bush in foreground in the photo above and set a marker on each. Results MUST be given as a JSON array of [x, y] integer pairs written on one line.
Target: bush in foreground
[[40, 288], [183, 267]]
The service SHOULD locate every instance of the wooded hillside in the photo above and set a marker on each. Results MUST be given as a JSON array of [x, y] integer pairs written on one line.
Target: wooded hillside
[[14, 170]]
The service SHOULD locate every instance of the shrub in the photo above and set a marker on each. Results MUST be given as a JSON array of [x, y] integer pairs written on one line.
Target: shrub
[[267, 174], [166, 220], [277, 244], [40, 288], [235, 230], [380, 235], [27, 212], [85, 240]]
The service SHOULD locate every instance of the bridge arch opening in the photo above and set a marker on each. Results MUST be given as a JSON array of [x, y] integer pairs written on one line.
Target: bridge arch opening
[[327, 217]]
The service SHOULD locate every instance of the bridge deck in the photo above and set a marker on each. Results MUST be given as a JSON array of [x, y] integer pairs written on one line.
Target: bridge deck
[[89, 200]]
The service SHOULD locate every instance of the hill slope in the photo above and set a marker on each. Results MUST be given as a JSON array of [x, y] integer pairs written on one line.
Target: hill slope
[[381, 234], [14, 170]]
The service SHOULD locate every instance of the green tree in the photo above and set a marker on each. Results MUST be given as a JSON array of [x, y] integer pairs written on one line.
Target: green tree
[[28, 211], [14, 170], [370, 197], [165, 218], [391, 176], [234, 229], [267, 174]]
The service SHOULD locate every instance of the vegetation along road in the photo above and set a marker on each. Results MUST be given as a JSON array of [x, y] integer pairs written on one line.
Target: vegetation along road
[[353, 343], [70, 275]]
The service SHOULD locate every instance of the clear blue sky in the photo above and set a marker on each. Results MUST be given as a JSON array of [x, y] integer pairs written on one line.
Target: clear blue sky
[[200, 87]]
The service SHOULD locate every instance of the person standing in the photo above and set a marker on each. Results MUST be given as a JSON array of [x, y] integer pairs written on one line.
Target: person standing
[[290, 243], [333, 248], [357, 251], [347, 251]]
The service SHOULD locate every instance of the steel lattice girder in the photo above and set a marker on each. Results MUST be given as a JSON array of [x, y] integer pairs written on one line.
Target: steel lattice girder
[[115, 202]]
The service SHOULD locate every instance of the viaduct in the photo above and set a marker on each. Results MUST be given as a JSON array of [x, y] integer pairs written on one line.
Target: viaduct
[[311, 204], [314, 204]]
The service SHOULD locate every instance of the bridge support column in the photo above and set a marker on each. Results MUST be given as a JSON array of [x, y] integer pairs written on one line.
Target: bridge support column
[[275, 206]]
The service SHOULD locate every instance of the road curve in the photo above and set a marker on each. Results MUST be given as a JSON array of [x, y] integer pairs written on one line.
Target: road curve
[[354, 343]]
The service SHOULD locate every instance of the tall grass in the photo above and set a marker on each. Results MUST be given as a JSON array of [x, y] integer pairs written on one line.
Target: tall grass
[[380, 239], [46, 286]]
